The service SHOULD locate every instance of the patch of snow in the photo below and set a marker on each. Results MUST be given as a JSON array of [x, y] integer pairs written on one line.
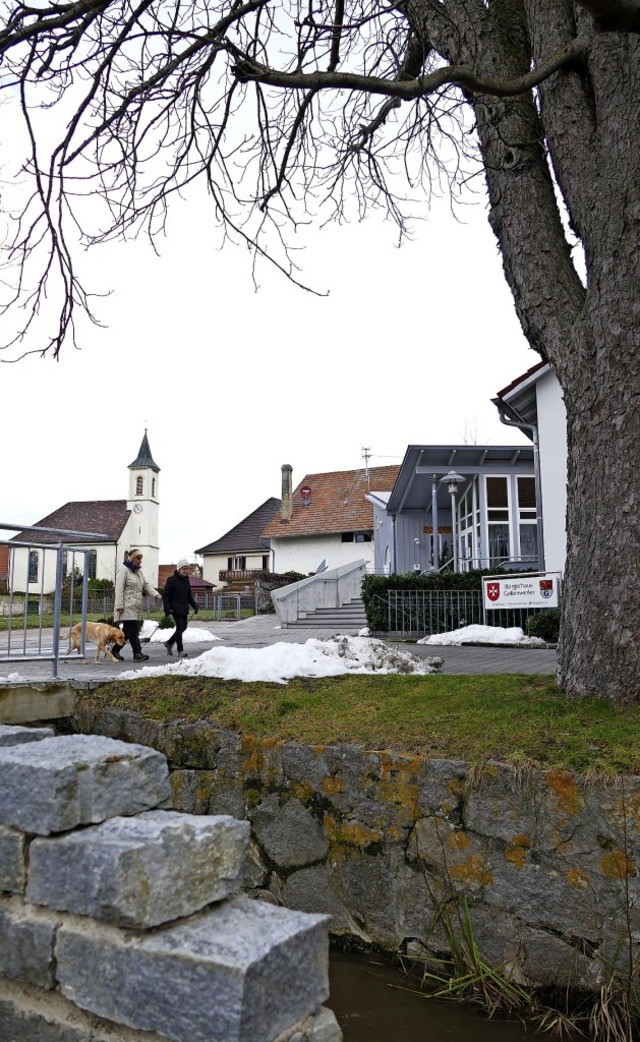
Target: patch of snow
[[280, 662], [483, 635]]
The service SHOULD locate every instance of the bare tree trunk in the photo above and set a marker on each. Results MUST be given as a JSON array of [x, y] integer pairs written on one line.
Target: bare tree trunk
[[600, 637]]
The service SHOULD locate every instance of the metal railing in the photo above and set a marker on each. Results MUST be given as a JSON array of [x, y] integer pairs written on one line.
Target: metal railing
[[422, 613], [230, 606], [29, 595]]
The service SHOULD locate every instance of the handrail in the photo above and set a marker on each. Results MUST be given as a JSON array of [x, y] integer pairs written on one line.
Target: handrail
[[30, 650]]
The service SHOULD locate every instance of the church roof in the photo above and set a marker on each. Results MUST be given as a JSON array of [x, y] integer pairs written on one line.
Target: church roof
[[144, 457], [102, 516], [247, 535]]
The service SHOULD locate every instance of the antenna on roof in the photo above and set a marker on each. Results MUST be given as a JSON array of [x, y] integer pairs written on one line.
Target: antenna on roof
[[366, 455]]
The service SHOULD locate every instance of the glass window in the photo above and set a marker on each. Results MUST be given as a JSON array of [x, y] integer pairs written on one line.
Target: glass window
[[239, 564], [498, 544], [153, 488], [527, 493], [91, 562], [34, 558], [529, 541], [499, 548], [497, 495], [362, 537], [139, 486], [347, 537]]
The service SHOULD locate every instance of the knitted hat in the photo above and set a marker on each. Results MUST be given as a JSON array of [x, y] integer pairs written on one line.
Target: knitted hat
[[134, 553], [182, 563]]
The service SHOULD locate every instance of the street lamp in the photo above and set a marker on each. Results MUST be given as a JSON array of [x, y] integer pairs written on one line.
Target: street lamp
[[452, 481]]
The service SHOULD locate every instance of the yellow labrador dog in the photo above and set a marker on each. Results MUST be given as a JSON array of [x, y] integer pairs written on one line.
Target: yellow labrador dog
[[99, 633]]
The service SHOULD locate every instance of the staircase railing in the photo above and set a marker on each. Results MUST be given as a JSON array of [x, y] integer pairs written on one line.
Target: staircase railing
[[330, 589]]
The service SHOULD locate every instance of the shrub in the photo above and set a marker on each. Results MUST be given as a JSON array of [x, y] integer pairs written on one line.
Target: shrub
[[545, 624]]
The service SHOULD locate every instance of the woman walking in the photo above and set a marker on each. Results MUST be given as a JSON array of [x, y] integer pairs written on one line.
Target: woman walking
[[131, 587], [177, 599]]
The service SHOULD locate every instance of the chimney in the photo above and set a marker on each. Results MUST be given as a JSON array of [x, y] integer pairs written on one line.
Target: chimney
[[287, 494]]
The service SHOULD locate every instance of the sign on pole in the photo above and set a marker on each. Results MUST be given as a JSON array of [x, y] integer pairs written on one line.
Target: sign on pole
[[539, 590]]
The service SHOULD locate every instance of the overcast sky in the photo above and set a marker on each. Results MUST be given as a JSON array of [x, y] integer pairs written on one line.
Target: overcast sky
[[409, 346]]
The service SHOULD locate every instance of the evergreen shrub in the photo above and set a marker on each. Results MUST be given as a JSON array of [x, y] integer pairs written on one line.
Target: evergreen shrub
[[545, 624]]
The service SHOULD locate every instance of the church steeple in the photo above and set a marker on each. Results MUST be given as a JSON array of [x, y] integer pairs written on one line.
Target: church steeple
[[143, 504], [144, 457]]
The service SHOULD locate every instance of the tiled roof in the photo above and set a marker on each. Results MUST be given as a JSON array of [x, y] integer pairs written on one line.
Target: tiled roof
[[144, 457], [195, 581], [102, 516], [337, 503], [247, 535], [520, 379]]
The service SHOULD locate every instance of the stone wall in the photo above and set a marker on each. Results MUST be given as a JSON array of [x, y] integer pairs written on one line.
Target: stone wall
[[121, 919], [547, 862]]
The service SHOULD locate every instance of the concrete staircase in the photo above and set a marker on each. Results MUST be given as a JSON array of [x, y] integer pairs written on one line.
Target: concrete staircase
[[346, 618]]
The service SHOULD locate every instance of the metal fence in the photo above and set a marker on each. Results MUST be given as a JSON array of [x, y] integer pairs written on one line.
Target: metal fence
[[229, 606], [410, 613], [33, 612]]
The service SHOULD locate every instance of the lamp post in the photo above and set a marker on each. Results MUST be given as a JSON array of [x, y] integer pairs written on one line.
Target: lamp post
[[452, 481]]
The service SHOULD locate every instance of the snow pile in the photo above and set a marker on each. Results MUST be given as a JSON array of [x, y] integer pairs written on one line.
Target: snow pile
[[14, 678], [280, 662], [154, 635], [483, 635]]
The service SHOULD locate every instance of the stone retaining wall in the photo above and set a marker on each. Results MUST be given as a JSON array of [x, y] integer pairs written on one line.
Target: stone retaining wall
[[121, 919], [547, 862]]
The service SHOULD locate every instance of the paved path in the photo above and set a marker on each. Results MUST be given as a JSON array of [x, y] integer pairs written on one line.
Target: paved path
[[261, 631]]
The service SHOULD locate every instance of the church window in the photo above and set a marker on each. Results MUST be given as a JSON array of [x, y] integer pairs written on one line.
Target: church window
[[153, 488], [139, 486], [33, 566], [91, 561]]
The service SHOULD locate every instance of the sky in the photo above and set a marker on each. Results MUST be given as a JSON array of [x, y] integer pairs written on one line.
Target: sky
[[231, 381]]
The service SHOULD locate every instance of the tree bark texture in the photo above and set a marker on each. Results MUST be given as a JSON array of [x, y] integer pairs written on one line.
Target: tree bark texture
[[583, 130]]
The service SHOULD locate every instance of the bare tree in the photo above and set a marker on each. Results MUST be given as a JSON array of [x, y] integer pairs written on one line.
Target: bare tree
[[291, 109]]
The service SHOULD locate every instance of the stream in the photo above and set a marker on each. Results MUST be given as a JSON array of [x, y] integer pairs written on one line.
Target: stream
[[373, 1004]]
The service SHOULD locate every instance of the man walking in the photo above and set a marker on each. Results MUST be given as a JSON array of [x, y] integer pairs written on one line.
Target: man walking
[[177, 599]]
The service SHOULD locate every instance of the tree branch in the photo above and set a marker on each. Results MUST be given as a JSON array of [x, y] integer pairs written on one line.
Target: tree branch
[[461, 76]]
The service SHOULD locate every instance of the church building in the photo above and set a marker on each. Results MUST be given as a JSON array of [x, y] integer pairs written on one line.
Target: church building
[[126, 523]]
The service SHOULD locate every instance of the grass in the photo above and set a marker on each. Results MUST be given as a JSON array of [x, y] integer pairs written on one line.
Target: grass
[[519, 720]]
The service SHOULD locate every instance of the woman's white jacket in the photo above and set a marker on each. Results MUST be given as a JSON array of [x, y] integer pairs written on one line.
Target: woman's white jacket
[[131, 587]]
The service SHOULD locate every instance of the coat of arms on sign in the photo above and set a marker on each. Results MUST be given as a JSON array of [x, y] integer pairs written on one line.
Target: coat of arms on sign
[[493, 591]]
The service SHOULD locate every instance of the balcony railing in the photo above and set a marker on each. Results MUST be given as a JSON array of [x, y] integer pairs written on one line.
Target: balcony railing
[[246, 575]]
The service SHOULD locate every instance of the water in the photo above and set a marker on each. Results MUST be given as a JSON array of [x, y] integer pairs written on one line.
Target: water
[[372, 1004]]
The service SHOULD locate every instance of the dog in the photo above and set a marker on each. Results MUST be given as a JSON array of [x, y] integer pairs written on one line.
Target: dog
[[99, 633]]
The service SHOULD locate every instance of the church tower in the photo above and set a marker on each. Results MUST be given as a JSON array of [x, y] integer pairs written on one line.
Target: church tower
[[143, 502]]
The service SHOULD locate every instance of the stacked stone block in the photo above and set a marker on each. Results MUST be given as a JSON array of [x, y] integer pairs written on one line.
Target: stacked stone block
[[120, 919]]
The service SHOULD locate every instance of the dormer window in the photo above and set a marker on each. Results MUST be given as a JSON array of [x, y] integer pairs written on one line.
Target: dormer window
[[139, 486]]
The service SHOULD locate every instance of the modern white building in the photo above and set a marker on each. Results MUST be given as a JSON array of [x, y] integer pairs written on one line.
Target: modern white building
[[534, 403]]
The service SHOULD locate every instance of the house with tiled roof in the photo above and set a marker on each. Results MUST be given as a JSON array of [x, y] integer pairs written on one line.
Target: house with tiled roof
[[241, 555], [328, 520], [120, 523]]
